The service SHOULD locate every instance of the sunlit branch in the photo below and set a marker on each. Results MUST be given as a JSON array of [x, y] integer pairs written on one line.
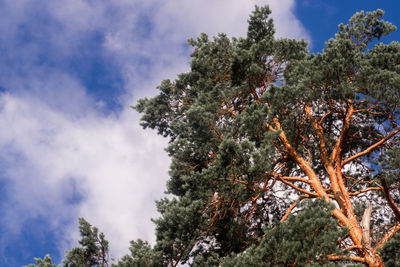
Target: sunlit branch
[[297, 179], [389, 234], [293, 206], [336, 152], [364, 190], [298, 188], [344, 258], [369, 149]]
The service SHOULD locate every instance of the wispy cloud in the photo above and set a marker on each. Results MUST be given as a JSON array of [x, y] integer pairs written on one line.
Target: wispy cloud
[[65, 152]]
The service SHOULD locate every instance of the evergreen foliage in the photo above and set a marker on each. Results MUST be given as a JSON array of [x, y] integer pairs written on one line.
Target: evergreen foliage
[[391, 251], [93, 251], [277, 153], [313, 228], [45, 262], [142, 255], [259, 124]]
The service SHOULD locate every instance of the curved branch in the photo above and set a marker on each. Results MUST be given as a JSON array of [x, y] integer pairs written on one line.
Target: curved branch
[[324, 151], [292, 207], [364, 190], [369, 149], [298, 188], [389, 199]]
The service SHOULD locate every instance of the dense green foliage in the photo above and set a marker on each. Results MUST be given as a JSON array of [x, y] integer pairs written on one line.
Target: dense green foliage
[[257, 127], [313, 228], [210, 147], [142, 255], [225, 120], [391, 251], [93, 250], [45, 262]]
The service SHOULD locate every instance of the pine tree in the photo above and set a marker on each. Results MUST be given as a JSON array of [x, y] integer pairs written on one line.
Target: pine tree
[[259, 125], [142, 255], [280, 157], [45, 262], [93, 251]]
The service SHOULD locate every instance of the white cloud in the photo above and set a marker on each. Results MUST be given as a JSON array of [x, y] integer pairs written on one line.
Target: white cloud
[[212, 17], [58, 138], [119, 169]]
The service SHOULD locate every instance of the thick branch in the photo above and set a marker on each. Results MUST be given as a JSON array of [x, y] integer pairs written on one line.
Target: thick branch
[[324, 154], [336, 152], [345, 258], [336, 160], [389, 234], [315, 182]]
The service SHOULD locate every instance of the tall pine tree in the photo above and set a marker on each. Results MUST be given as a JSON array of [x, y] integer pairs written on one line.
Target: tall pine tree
[[259, 125], [280, 157]]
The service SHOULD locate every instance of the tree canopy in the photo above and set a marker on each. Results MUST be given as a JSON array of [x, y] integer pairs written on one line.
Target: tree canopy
[[260, 124], [280, 156]]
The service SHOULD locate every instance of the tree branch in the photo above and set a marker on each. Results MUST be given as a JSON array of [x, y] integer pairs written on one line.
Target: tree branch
[[364, 190], [345, 258], [292, 207], [389, 234], [320, 133], [324, 154], [389, 199], [336, 152], [298, 188], [297, 179], [369, 149]]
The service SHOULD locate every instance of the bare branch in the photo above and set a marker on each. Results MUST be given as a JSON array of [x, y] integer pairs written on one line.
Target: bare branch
[[364, 190], [293, 206], [369, 149], [336, 152], [298, 188], [389, 199]]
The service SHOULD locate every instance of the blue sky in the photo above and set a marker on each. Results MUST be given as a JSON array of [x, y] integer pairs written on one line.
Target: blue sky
[[70, 144]]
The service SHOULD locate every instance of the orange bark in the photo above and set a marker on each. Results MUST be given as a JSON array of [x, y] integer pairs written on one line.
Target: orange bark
[[333, 166]]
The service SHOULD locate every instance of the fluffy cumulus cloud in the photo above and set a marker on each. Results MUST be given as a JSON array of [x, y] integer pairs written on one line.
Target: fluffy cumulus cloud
[[104, 168], [69, 69]]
